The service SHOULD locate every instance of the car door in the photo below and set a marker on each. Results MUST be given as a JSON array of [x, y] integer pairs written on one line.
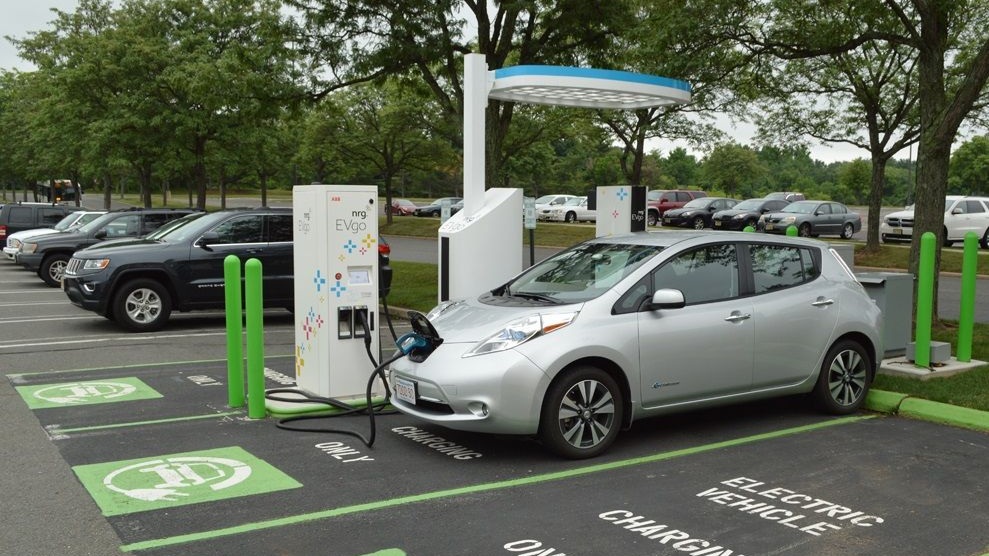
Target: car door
[[703, 350], [277, 260], [241, 235], [971, 219], [783, 279]]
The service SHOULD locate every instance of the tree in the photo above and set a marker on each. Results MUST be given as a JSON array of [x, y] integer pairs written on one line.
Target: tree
[[969, 170], [732, 167]]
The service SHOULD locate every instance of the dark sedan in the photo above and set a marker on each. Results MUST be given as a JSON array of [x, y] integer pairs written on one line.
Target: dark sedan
[[434, 208], [746, 213], [697, 214], [812, 219]]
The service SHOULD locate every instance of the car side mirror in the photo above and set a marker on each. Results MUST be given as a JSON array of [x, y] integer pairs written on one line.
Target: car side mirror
[[667, 298], [207, 239], [100, 234], [957, 211]]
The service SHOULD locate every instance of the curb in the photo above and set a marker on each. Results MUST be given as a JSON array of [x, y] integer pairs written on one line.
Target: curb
[[917, 408]]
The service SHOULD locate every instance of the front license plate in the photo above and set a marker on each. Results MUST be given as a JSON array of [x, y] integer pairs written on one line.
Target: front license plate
[[896, 231], [717, 223], [405, 390], [769, 226]]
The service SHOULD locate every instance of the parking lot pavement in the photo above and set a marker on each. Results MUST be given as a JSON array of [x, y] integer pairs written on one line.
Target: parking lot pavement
[[124, 443]]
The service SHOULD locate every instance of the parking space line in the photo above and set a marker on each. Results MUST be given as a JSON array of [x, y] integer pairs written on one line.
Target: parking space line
[[58, 433], [17, 376], [485, 487]]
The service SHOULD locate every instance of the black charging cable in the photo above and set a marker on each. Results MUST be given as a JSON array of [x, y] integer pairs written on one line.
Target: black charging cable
[[345, 409]]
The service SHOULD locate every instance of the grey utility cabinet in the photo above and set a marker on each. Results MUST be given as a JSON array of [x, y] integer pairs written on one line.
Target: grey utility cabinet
[[893, 294]]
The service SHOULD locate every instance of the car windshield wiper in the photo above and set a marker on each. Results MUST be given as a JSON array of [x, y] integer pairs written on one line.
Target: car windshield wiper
[[536, 296]]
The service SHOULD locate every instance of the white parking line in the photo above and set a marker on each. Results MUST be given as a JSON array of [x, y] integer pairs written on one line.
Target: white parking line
[[128, 338]]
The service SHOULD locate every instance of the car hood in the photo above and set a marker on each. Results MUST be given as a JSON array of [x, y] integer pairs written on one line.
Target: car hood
[[472, 321], [27, 234], [900, 214], [733, 212], [681, 210], [122, 245]]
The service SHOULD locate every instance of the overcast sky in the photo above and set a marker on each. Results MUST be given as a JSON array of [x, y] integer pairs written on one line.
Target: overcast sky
[[18, 18]]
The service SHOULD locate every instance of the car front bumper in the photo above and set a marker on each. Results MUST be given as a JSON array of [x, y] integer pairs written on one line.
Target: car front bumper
[[894, 233], [85, 292], [30, 261], [497, 393], [10, 252]]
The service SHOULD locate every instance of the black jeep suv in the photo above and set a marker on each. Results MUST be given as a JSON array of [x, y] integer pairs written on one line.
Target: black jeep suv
[[48, 254], [138, 282]]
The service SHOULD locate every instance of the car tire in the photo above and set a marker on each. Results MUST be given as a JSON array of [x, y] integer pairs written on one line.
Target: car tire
[[142, 305], [652, 218], [570, 218], [698, 223], [984, 242], [844, 380], [582, 413], [847, 231], [804, 230], [52, 269], [946, 242]]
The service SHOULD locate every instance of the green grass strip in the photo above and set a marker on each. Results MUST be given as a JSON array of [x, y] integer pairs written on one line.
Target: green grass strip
[[449, 493], [58, 431]]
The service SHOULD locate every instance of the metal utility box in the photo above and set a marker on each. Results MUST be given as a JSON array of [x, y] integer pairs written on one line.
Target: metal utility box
[[893, 294]]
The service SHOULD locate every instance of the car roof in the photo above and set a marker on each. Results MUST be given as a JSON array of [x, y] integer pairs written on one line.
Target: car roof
[[670, 238]]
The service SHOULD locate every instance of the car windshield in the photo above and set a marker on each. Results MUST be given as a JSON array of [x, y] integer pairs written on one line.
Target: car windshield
[[94, 225], [801, 207], [66, 222], [545, 199], [176, 230], [654, 195], [576, 201], [580, 273], [697, 203], [749, 204]]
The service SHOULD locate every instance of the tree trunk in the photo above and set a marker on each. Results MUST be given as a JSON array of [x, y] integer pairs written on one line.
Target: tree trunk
[[876, 201], [107, 191]]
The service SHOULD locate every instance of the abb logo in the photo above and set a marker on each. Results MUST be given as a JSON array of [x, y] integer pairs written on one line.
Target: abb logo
[[335, 199]]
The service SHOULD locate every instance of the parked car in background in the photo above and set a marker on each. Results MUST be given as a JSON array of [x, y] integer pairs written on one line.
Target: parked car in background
[[962, 214], [786, 196], [138, 282], [812, 219], [574, 210], [697, 214], [402, 207], [70, 222], [550, 201], [17, 217], [745, 213], [620, 328], [436, 207], [658, 201], [48, 255]]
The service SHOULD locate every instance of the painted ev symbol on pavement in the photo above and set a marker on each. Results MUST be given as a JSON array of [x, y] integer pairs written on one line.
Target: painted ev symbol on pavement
[[166, 481], [86, 392]]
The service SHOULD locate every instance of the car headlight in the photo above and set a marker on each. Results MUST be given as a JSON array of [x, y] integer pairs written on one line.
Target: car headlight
[[788, 220], [520, 331], [29, 248], [93, 265], [739, 216]]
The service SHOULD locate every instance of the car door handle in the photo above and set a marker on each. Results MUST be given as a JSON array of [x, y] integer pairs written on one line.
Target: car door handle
[[737, 317], [821, 302]]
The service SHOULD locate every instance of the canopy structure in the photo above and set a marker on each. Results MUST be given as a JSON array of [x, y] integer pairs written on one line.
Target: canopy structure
[[586, 88]]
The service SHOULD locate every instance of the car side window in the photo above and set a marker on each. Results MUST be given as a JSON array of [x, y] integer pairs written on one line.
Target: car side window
[[153, 221], [279, 228], [125, 226], [973, 207], [21, 215], [776, 267], [51, 216], [706, 274], [837, 209], [240, 229]]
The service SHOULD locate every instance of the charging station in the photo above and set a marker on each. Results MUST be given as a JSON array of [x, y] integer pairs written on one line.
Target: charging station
[[336, 289], [621, 209]]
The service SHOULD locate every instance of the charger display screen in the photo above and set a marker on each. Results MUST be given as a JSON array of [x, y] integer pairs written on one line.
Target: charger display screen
[[359, 276]]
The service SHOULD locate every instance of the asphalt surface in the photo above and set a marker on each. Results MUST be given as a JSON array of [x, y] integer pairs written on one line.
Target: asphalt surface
[[109, 477]]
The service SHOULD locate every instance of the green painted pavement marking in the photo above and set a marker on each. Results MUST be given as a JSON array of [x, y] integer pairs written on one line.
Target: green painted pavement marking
[[449, 493], [137, 485], [56, 430], [387, 552], [89, 392]]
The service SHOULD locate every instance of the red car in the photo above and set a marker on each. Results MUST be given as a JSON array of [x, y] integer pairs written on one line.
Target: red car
[[402, 207]]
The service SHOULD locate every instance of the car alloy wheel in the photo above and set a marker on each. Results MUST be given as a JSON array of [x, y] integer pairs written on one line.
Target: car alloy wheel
[[698, 223], [804, 230], [571, 218], [142, 305], [847, 231], [52, 270], [581, 413], [844, 379]]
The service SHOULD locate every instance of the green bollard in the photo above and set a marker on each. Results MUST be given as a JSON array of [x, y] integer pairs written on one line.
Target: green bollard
[[255, 339], [966, 316], [748, 229], [925, 301], [792, 231], [234, 309]]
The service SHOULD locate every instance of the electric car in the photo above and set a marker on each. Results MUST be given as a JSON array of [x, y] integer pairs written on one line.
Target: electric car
[[579, 346]]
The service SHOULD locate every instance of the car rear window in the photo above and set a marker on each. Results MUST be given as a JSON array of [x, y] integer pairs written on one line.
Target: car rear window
[[776, 267]]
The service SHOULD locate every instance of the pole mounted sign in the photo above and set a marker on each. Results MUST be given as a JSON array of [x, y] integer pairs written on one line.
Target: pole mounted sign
[[481, 246]]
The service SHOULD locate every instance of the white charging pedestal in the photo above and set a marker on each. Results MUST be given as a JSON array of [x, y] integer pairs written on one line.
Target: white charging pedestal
[[336, 287], [620, 210]]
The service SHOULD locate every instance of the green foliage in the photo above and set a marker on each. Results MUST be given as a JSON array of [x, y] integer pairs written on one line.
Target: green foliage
[[734, 169], [969, 170]]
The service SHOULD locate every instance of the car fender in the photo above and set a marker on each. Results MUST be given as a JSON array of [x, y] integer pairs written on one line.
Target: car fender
[[155, 272]]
